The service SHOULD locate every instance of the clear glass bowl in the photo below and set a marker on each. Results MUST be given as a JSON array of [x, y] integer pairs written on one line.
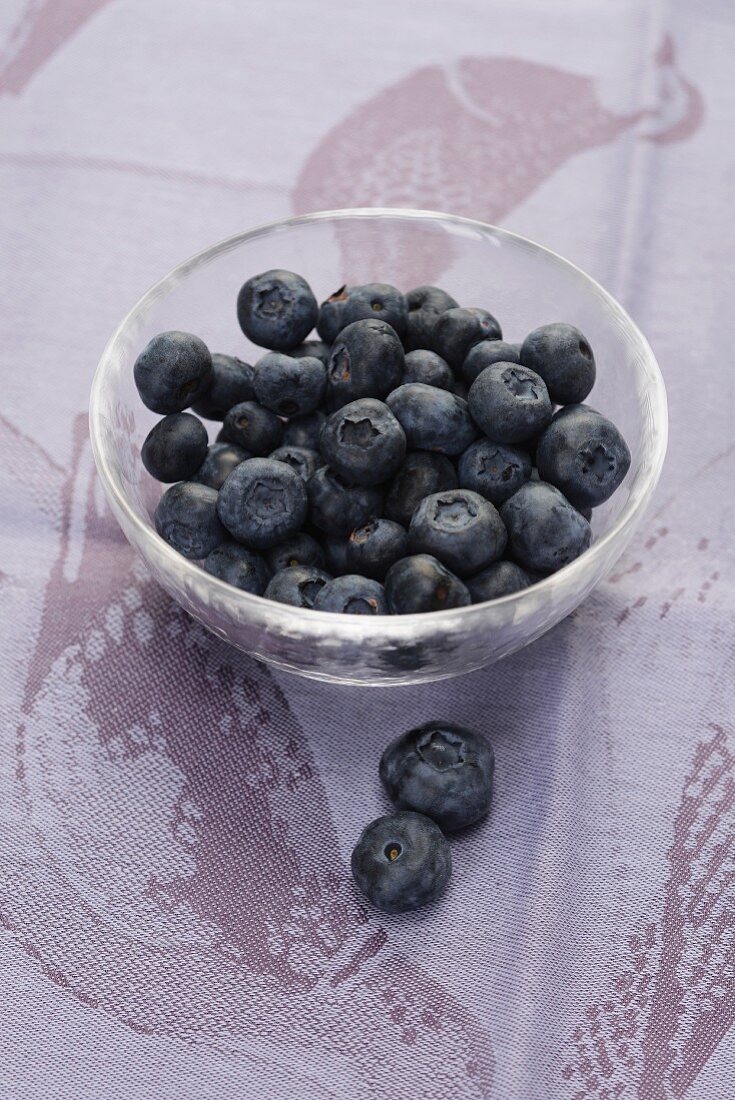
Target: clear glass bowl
[[524, 285]]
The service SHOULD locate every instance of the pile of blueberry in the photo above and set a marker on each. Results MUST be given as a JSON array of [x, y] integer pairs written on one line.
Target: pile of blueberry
[[410, 460], [440, 777]]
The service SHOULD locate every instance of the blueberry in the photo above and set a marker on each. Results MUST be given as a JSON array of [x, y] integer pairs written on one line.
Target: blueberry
[[460, 528], [175, 447], [509, 402], [456, 330], [425, 303], [380, 300], [460, 388], [432, 419], [304, 431], [366, 361], [331, 313], [574, 410], [301, 459], [544, 531], [300, 549], [252, 427], [232, 382], [429, 368], [277, 309], [401, 862], [584, 455], [335, 553], [186, 517], [313, 349], [352, 595], [172, 372], [485, 354], [262, 503], [338, 507], [422, 474], [563, 357], [421, 583], [243, 568], [440, 770], [499, 579], [219, 462], [287, 386], [494, 470], [375, 546], [298, 585], [363, 442]]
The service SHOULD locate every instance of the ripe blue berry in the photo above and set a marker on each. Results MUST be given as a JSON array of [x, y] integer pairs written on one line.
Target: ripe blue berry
[[509, 402], [175, 447], [456, 330], [363, 442], [376, 300], [338, 507], [460, 528], [304, 431], [314, 349], [298, 585], [288, 386], [584, 455], [352, 595], [485, 354], [300, 549], [545, 532], [242, 568], [374, 547], [499, 579], [494, 470], [425, 303], [331, 315], [440, 770], [172, 372], [421, 583], [301, 459], [219, 462], [401, 862], [335, 554], [277, 309], [422, 474], [253, 428], [428, 367], [562, 356], [366, 361], [186, 517], [232, 382], [433, 420], [262, 503]]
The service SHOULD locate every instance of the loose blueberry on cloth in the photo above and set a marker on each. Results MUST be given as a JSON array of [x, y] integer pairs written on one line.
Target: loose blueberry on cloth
[[401, 862], [440, 770]]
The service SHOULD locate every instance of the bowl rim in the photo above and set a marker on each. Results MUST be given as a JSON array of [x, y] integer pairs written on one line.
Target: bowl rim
[[387, 625]]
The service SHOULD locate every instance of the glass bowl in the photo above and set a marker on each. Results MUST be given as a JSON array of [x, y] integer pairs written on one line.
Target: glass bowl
[[524, 285]]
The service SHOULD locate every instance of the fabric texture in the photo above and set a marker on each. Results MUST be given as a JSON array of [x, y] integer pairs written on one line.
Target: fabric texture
[[177, 917]]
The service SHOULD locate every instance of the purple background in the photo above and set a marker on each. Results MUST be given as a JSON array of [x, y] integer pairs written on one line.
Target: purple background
[[176, 916]]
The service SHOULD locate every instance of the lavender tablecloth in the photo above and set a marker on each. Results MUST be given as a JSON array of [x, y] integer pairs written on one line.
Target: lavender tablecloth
[[176, 915]]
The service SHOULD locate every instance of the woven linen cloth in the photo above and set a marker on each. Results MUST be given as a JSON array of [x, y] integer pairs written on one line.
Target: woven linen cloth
[[177, 918]]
